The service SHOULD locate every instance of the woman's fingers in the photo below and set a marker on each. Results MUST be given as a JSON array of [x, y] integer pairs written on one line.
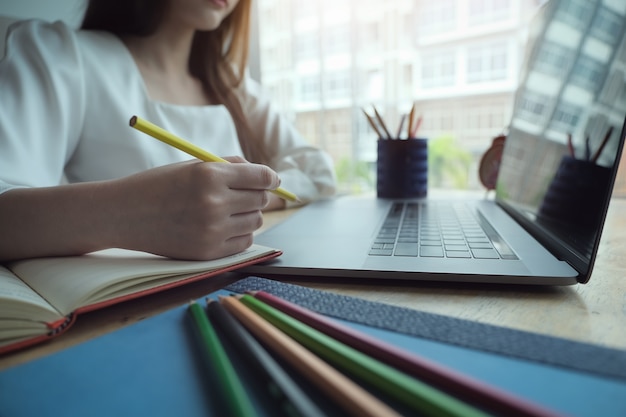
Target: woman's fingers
[[195, 210]]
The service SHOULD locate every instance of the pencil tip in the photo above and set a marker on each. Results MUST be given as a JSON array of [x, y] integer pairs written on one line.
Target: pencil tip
[[133, 121]]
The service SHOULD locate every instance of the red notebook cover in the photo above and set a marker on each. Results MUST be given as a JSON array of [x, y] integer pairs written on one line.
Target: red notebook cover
[[61, 326]]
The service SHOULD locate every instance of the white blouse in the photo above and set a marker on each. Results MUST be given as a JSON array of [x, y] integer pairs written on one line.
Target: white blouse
[[66, 98]]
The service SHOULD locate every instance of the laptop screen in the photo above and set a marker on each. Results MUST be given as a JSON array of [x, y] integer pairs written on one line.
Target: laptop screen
[[567, 129]]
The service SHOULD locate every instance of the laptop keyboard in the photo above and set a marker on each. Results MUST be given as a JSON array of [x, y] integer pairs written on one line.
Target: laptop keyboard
[[438, 231]]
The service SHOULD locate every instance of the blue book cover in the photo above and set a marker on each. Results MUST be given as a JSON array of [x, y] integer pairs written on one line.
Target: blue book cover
[[153, 367]]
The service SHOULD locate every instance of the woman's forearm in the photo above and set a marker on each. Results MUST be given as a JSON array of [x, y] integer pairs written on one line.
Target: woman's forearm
[[191, 210], [52, 221]]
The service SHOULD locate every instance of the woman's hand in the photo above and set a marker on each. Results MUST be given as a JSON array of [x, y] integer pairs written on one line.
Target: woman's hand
[[194, 210], [190, 210]]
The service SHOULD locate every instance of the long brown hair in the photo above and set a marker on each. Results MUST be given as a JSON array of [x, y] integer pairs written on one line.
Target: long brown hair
[[218, 58]]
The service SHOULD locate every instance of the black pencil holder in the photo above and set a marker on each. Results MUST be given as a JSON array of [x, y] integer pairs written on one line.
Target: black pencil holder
[[402, 168], [575, 195]]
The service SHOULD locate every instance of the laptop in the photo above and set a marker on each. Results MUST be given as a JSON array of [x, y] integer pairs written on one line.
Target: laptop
[[552, 193]]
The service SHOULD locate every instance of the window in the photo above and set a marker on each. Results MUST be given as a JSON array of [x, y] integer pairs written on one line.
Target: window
[[588, 73], [438, 69], [437, 17], [337, 85], [575, 13], [487, 62], [607, 26], [533, 107], [566, 117], [553, 58], [324, 66], [307, 46], [310, 90], [486, 119], [337, 40], [487, 11]]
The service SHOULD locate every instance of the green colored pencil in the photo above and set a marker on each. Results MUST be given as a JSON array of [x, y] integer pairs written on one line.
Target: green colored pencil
[[404, 388], [236, 396]]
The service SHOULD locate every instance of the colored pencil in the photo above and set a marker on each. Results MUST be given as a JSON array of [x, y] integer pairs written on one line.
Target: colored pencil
[[234, 392], [382, 123], [466, 388], [353, 399], [373, 124], [410, 124], [418, 123], [166, 137], [602, 145], [278, 384], [405, 389]]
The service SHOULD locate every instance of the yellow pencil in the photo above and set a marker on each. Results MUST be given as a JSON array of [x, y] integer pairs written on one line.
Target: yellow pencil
[[193, 150]]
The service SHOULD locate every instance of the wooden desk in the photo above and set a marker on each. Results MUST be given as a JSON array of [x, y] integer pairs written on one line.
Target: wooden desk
[[594, 312]]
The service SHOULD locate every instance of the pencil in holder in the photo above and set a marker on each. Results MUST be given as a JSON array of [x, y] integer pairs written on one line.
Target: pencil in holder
[[575, 194], [402, 168]]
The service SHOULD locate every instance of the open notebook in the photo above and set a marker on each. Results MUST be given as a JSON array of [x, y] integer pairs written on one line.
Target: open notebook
[[40, 298], [552, 194]]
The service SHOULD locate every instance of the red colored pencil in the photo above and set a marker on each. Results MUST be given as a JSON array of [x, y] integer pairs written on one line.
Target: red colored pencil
[[602, 145], [452, 382], [418, 123]]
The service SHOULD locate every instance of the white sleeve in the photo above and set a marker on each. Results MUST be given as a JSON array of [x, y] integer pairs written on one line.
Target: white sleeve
[[304, 169], [41, 104]]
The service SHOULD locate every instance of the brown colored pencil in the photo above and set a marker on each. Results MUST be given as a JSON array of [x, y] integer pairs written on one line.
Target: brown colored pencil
[[351, 397], [452, 382], [382, 123], [373, 124]]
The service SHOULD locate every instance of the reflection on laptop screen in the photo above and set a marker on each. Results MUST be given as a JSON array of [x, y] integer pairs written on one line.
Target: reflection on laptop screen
[[567, 126]]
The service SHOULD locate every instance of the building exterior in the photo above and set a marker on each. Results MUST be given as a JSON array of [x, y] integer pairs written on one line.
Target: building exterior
[[459, 61]]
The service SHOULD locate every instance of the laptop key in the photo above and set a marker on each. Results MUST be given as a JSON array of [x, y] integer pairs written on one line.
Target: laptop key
[[458, 254], [462, 248], [406, 249], [480, 245], [485, 254], [380, 252], [382, 241], [431, 251]]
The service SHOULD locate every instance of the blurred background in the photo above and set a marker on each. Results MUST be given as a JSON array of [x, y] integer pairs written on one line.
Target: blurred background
[[325, 61]]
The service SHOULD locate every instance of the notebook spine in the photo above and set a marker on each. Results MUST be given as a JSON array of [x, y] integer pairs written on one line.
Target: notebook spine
[[60, 325]]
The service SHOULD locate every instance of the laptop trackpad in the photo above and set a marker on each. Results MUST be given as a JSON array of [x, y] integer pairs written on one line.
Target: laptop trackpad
[[332, 233], [336, 218]]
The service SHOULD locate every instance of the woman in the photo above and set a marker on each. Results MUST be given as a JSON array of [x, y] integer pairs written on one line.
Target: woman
[[67, 97]]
